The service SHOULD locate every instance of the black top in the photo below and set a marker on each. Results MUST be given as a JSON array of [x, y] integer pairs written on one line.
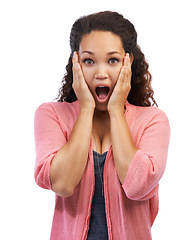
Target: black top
[[98, 224]]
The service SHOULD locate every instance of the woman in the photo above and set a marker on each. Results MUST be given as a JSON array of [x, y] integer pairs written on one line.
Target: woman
[[102, 148]]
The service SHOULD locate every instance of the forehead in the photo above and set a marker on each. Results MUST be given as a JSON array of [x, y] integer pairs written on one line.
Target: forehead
[[101, 41]]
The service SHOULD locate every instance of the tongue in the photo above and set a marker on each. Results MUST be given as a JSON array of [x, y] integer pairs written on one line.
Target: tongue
[[102, 92]]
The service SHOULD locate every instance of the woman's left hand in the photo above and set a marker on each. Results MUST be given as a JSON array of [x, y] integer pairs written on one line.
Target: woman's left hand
[[123, 146], [122, 88]]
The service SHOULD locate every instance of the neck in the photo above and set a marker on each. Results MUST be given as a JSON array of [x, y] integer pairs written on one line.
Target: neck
[[101, 122], [101, 115]]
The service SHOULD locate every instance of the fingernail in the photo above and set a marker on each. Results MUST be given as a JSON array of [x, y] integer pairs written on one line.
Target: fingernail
[[74, 55], [126, 57]]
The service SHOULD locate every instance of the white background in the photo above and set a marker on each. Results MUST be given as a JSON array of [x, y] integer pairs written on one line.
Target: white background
[[34, 49]]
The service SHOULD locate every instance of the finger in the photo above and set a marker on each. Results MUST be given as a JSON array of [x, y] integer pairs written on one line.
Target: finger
[[127, 61], [76, 66], [74, 61], [124, 70], [74, 56], [127, 64], [76, 70], [121, 77], [79, 83]]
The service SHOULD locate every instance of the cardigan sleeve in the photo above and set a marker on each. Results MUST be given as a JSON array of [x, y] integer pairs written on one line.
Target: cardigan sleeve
[[149, 162], [49, 138]]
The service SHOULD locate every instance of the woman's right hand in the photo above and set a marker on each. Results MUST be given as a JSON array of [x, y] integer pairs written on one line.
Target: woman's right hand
[[80, 86]]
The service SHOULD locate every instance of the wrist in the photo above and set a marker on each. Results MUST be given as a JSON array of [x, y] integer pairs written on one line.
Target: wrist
[[87, 111], [114, 112]]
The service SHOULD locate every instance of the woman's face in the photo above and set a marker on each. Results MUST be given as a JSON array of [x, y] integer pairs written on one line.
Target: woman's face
[[101, 56]]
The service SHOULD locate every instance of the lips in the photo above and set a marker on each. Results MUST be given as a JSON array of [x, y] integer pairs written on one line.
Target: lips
[[102, 92]]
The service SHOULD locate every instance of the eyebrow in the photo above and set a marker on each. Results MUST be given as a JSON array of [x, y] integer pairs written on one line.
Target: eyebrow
[[113, 52], [89, 52], [109, 53]]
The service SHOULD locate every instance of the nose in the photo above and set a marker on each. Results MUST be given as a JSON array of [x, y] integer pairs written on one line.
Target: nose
[[101, 72]]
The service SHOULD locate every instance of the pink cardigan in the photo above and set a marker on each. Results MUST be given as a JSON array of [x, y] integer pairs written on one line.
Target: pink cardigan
[[131, 208]]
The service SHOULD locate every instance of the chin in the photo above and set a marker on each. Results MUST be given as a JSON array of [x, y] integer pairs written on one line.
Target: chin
[[101, 107]]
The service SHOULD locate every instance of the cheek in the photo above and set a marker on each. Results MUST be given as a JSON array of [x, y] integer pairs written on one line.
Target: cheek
[[87, 72], [115, 74], [88, 75]]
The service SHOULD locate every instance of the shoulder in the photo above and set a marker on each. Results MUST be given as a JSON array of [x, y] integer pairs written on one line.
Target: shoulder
[[60, 111], [151, 120], [146, 114], [60, 107], [141, 118]]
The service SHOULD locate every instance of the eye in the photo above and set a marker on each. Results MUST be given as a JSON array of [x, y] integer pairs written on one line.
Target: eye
[[88, 61], [113, 60]]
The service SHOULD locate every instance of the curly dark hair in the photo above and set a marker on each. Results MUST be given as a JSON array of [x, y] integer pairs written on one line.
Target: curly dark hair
[[141, 93]]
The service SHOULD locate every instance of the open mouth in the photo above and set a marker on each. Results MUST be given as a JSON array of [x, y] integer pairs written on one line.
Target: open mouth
[[102, 92]]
